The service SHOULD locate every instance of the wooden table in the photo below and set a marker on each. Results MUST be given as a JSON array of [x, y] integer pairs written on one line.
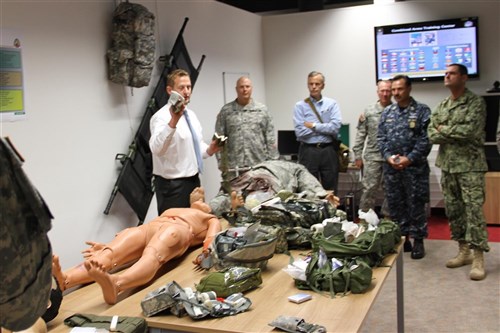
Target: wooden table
[[340, 314], [491, 207]]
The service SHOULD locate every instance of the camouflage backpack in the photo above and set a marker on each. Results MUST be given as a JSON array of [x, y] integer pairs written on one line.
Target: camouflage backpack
[[295, 213], [132, 53], [290, 221], [296, 216], [250, 246]]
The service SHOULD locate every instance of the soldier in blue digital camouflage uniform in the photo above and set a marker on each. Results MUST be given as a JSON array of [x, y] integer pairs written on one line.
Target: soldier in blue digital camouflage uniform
[[249, 129], [457, 125], [403, 142]]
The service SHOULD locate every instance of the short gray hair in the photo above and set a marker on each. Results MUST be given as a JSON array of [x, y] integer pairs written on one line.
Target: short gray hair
[[316, 73]]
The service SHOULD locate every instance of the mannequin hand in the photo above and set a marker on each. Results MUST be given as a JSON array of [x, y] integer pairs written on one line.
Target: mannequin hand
[[94, 247], [204, 259]]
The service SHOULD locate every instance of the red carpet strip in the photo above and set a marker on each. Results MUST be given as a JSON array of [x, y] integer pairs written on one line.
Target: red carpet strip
[[439, 229]]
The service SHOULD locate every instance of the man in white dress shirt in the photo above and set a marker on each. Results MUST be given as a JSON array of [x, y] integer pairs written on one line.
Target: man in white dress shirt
[[177, 146]]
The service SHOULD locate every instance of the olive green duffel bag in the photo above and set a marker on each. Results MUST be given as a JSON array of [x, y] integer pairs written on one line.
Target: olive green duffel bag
[[230, 281]]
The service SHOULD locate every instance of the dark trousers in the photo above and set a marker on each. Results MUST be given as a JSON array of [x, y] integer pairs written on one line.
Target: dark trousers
[[322, 163], [174, 193], [407, 192]]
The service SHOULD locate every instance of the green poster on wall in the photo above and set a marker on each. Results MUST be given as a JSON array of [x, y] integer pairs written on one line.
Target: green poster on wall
[[11, 84]]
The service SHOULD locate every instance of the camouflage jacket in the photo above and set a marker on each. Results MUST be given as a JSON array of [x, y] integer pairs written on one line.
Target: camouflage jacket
[[461, 137], [270, 176], [26, 260], [278, 176], [251, 138], [367, 132], [404, 132]]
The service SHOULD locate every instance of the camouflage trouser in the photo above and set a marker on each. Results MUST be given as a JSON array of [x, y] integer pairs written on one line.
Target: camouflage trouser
[[407, 192], [220, 203], [372, 186], [464, 199]]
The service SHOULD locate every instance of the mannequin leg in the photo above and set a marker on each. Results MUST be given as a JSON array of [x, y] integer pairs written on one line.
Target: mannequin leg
[[171, 241]]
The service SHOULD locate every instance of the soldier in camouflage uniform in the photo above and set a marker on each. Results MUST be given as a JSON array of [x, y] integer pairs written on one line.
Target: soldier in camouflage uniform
[[366, 152], [457, 125], [26, 253], [249, 129], [402, 140]]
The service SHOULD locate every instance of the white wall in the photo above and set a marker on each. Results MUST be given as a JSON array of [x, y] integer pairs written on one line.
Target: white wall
[[78, 120], [340, 43]]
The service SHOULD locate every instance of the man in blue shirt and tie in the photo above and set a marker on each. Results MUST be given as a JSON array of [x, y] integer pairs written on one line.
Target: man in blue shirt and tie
[[317, 121]]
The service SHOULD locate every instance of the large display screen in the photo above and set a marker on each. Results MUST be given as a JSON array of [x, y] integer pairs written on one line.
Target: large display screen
[[423, 50]]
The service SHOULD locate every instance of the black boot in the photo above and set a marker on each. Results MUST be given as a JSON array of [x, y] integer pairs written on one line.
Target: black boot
[[418, 251], [407, 247]]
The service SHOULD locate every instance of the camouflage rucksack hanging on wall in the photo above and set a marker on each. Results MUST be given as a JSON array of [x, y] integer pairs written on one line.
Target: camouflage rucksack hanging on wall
[[132, 53]]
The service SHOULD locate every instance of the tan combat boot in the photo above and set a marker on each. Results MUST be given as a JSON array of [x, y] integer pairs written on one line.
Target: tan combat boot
[[477, 271], [464, 256]]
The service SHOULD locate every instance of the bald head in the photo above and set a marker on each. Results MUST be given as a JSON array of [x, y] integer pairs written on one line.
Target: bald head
[[244, 90]]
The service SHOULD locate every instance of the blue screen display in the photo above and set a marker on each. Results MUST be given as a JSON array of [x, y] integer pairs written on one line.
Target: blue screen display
[[423, 50]]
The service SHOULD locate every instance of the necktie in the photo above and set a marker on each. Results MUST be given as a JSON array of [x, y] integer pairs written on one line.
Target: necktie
[[196, 143]]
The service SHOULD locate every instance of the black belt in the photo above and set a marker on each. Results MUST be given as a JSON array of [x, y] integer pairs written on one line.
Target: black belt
[[173, 179], [319, 144]]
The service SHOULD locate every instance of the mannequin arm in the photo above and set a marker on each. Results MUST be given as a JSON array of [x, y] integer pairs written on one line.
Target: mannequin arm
[[214, 227]]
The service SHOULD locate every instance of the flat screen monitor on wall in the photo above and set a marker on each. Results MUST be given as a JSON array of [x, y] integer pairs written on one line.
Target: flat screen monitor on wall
[[287, 143], [423, 50]]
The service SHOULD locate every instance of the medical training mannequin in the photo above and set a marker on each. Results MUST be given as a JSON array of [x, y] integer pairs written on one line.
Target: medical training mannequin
[[153, 244]]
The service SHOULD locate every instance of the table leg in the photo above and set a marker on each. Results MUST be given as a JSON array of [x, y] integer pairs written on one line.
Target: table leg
[[400, 292]]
